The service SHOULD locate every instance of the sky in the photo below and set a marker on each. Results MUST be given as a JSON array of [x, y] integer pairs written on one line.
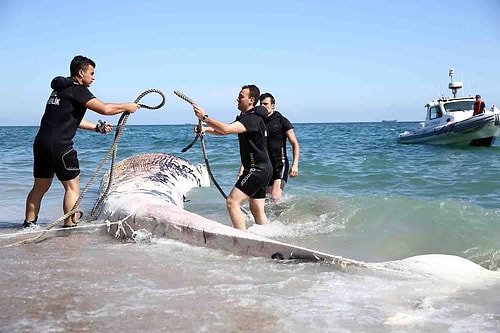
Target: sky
[[323, 60]]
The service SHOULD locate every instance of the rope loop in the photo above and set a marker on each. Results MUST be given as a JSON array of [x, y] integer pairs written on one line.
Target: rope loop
[[149, 91], [112, 151]]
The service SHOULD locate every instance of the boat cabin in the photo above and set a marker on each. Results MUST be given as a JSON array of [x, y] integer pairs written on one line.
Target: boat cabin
[[458, 108]]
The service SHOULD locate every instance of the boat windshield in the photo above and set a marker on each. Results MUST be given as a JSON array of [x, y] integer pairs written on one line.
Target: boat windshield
[[459, 106], [435, 112]]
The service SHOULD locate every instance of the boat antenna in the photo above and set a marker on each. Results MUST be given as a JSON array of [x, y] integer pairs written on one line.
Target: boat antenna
[[468, 86], [454, 86]]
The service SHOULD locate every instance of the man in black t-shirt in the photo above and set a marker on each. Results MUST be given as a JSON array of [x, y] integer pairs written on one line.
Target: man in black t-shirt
[[53, 150], [251, 130], [279, 129]]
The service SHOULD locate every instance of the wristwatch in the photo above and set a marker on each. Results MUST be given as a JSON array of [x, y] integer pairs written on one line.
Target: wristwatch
[[205, 117], [100, 126]]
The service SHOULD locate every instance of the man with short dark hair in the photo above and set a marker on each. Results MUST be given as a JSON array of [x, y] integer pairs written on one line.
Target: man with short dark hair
[[53, 150], [251, 130], [279, 129]]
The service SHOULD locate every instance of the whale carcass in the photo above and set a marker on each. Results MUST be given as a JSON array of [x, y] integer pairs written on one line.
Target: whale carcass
[[147, 193]]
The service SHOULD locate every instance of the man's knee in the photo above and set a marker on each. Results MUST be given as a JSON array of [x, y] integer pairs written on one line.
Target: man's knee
[[41, 185], [231, 202], [72, 185]]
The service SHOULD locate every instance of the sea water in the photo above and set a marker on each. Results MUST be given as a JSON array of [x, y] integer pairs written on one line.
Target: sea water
[[359, 194]]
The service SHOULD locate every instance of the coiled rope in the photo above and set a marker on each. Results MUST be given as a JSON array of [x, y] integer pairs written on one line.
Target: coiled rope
[[114, 147], [201, 136], [111, 153]]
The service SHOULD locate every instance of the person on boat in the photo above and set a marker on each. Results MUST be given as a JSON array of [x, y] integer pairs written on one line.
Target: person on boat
[[257, 169], [53, 151], [279, 129], [479, 106]]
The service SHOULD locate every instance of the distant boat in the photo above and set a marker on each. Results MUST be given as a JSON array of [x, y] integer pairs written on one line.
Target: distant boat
[[450, 121], [389, 121]]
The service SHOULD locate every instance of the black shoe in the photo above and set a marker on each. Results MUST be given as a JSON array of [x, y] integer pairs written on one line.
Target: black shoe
[[29, 224]]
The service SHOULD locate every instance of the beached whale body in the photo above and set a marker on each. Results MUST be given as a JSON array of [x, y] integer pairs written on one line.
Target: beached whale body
[[147, 193]]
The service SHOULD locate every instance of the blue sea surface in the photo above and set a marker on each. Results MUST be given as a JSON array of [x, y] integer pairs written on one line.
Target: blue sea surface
[[359, 194]]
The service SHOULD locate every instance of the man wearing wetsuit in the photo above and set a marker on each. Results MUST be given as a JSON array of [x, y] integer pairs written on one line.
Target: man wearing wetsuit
[[279, 129], [251, 130], [53, 150]]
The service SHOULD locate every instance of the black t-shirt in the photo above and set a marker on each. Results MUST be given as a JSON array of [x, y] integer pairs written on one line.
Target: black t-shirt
[[64, 111], [277, 126], [253, 142]]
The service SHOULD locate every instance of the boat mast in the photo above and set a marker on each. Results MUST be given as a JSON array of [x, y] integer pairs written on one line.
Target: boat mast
[[454, 86]]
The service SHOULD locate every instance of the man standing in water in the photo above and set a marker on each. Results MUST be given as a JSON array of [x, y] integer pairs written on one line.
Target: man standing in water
[[53, 150], [251, 130], [279, 129]]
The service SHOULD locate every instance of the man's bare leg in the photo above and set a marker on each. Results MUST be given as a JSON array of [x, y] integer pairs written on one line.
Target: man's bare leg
[[71, 193], [277, 190], [34, 198], [233, 205], [257, 209]]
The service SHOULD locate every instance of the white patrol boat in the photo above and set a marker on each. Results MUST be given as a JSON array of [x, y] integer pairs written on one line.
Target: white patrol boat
[[450, 121]]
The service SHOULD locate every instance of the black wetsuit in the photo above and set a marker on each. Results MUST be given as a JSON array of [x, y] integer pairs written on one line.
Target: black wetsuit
[[53, 147], [277, 126], [253, 152]]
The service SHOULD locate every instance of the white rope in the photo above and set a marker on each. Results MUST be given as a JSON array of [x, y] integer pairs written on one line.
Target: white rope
[[92, 225], [139, 235], [120, 228], [142, 235], [22, 233]]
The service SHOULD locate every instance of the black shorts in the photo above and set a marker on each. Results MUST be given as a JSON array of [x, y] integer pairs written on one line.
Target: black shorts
[[279, 172], [254, 182], [53, 159]]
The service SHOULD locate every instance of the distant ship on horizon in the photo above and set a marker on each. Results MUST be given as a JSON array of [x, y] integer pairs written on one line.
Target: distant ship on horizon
[[389, 121]]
